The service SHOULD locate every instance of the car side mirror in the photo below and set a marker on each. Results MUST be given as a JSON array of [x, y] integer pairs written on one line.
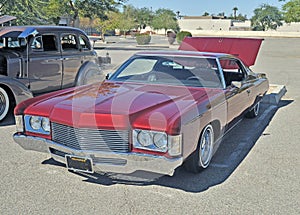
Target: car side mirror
[[236, 84], [108, 75]]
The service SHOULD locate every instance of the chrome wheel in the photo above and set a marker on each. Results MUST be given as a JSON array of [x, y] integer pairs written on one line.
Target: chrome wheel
[[206, 146], [254, 111], [4, 103]]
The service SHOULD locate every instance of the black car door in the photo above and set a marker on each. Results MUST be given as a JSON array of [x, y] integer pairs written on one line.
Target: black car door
[[45, 64], [72, 58]]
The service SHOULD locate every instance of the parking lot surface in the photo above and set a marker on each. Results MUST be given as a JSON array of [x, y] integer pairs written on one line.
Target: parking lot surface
[[256, 169]]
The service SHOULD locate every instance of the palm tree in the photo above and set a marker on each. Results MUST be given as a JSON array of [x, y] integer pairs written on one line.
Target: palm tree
[[235, 9]]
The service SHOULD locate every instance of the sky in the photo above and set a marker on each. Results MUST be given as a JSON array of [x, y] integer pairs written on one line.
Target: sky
[[199, 7]]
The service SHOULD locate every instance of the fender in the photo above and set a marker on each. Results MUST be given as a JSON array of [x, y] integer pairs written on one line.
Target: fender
[[19, 90], [87, 72]]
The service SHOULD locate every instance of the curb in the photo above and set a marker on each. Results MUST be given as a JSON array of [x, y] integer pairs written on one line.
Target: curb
[[274, 94]]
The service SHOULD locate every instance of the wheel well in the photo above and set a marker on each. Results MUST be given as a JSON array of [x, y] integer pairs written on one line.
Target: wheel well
[[10, 94], [83, 70], [217, 128]]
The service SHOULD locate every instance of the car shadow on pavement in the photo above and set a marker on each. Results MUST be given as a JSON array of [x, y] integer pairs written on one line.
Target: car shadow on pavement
[[233, 149]]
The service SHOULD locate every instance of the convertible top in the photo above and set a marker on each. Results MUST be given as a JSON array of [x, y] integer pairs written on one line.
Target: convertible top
[[245, 49]]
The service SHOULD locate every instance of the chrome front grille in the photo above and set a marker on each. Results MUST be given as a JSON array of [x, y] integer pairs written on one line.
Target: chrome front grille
[[90, 139]]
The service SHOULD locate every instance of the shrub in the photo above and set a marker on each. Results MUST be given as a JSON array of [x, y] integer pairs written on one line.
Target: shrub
[[181, 35], [143, 39]]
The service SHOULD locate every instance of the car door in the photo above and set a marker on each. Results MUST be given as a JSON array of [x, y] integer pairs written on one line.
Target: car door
[[72, 58], [45, 64], [238, 92]]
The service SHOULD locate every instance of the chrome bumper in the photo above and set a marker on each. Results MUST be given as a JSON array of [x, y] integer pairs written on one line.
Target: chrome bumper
[[103, 161]]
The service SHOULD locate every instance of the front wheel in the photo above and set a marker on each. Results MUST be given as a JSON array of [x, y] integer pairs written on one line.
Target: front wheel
[[4, 103], [200, 159]]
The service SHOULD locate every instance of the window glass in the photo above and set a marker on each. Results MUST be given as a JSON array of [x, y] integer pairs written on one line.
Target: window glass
[[232, 70], [138, 67], [68, 42], [188, 71], [84, 44], [49, 43], [37, 43]]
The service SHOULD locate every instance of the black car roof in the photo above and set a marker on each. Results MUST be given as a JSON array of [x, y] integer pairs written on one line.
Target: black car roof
[[40, 29]]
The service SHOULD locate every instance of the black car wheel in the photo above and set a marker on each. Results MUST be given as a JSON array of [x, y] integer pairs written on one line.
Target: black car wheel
[[4, 103], [200, 159]]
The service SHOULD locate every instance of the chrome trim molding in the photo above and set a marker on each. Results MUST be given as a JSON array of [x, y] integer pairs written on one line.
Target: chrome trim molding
[[104, 161]]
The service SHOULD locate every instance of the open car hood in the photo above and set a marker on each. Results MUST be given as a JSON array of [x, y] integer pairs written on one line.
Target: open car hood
[[245, 49]]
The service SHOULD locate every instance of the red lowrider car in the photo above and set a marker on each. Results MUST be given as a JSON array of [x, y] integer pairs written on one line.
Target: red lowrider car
[[160, 109]]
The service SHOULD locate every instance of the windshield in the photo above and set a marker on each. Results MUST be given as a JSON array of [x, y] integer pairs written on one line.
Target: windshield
[[11, 40], [187, 71]]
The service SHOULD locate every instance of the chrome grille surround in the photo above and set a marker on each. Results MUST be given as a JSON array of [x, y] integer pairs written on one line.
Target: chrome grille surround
[[88, 139]]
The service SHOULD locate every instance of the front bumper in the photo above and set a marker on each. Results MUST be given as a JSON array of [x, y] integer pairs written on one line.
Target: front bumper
[[103, 161]]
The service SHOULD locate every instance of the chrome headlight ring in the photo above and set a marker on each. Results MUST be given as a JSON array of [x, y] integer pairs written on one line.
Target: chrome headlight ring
[[37, 124], [150, 140]]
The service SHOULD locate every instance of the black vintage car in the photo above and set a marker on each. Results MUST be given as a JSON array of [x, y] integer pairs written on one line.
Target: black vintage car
[[40, 59]]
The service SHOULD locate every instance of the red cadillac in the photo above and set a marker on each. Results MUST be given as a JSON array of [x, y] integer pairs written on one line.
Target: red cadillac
[[159, 110]]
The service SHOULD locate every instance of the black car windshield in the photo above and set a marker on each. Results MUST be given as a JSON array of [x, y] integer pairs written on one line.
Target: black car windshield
[[187, 71], [11, 40]]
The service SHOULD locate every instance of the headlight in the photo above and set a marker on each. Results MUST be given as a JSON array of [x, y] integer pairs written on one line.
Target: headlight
[[37, 124], [160, 140], [150, 140], [144, 138], [46, 124]]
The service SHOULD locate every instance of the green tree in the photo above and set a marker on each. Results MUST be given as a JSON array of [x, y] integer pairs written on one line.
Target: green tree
[[143, 17], [240, 17], [127, 22], [48, 11], [165, 19], [57, 8], [235, 9], [110, 22], [28, 12], [291, 11], [266, 17]]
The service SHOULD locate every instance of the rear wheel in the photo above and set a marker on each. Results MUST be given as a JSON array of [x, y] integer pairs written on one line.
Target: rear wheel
[[254, 111], [200, 159], [4, 103]]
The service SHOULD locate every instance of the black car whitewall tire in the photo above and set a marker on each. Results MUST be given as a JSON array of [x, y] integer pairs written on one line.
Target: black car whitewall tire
[[4, 103], [200, 159]]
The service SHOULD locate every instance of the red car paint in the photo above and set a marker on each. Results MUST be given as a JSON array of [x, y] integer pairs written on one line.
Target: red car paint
[[245, 49], [147, 106]]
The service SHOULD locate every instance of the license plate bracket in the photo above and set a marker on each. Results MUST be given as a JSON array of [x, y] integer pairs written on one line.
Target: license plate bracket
[[79, 164]]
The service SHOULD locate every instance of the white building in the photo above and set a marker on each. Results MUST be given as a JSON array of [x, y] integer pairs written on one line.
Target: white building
[[192, 23]]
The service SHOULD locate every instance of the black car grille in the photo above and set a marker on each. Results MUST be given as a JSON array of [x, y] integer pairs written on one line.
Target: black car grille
[[90, 139]]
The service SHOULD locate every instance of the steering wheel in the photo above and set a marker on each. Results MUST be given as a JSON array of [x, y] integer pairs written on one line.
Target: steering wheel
[[195, 78]]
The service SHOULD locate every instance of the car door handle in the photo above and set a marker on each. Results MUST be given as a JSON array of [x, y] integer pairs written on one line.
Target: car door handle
[[52, 60]]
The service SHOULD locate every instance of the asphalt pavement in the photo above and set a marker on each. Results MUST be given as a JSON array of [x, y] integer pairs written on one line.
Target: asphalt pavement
[[256, 169]]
